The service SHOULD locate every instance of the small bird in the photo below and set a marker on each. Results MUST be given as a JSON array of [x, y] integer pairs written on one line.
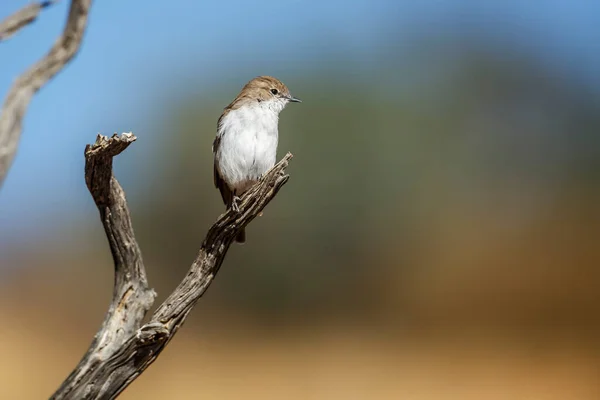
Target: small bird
[[245, 147]]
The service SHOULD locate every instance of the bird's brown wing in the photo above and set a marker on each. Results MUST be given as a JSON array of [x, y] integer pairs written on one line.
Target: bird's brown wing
[[226, 194], [220, 184]]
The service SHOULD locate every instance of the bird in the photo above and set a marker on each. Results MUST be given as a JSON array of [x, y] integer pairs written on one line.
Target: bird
[[245, 146]]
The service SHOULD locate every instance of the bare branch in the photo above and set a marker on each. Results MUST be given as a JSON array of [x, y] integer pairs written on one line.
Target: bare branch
[[114, 360], [38, 75], [131, 296], [26, 15]]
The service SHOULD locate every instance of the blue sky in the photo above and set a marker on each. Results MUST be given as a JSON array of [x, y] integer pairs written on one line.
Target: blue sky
[[112, 84]]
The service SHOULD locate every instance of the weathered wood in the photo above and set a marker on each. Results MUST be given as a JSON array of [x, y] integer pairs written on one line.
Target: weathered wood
[[131, 296], [26, 15], [123, 348], [22, 91]]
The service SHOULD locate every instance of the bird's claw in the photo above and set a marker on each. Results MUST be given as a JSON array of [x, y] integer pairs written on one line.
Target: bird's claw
[[235, 204]]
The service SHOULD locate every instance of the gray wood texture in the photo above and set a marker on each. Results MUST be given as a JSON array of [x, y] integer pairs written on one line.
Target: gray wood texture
[[124, 347]]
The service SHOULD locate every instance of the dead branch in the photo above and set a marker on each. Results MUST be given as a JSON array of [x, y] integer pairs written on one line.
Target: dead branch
[[38, 75], [131, 296], [123, 348], [26, 15]]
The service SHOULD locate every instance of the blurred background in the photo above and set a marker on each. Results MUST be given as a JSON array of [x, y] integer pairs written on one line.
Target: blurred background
[[438, 238]]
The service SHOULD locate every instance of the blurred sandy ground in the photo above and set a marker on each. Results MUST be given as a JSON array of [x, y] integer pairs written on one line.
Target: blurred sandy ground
[[222, 356], [438, 238]]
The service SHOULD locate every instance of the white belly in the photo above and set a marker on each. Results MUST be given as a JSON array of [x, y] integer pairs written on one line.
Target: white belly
[[248, 146]]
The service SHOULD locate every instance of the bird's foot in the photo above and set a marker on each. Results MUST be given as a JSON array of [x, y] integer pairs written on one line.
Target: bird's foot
[[235, 204]]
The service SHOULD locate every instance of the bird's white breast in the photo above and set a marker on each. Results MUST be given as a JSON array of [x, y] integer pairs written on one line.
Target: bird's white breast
[[248, 146]]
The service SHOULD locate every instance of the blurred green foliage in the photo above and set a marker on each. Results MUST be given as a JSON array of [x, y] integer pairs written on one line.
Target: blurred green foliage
[[393, 161]]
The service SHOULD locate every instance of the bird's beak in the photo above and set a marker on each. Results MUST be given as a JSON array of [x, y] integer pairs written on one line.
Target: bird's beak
[[292, 99]]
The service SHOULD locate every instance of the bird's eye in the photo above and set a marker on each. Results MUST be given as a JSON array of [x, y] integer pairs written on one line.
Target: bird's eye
[[274, 91]]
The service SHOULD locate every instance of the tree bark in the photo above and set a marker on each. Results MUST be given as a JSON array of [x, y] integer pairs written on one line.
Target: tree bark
[[123, 348]]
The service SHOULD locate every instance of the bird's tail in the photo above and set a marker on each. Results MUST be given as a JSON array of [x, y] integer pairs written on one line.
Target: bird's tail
[[241, 236]]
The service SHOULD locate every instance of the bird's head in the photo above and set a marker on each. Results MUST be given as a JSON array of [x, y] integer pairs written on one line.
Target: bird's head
[[267, 91]]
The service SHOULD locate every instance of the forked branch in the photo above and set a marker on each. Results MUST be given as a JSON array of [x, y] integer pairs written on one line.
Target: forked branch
[[123, 348]]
